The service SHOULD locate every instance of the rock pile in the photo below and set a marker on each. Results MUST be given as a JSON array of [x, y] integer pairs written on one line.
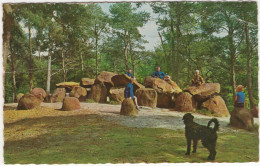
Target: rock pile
[[203, 96], [58, 95], [165, 90], [28, 101], [146, 97], [154, 93], [32, 100], [79, 92]]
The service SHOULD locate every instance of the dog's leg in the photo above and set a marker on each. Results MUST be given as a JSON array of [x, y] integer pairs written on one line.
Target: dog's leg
[[206, 145], [188, 146], [214, 151], [195, 142]]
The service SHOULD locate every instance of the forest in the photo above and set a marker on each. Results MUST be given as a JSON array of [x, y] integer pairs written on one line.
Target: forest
[[49, 43]]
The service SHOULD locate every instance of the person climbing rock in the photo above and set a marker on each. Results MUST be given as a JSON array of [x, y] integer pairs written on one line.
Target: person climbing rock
[[158, 73], [129, 92], [197, 80], [129, 73], [240, 97]]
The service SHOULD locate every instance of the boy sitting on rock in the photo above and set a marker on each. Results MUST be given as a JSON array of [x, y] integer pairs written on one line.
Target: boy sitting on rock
[[129, 92]]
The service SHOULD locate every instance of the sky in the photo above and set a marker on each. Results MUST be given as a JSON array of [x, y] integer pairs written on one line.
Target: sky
[[149, 30]]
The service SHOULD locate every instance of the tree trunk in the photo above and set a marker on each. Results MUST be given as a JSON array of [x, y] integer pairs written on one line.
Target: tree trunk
[[132, 56], [39, 52], [233, 59], [82, 64], [249, 76], [114, 66], [189, 66], [125, 51], [172, 43], [96, 56], [63, 65], [31, 58], [178, 41], [48, 75], [7, 26], [13, 74]]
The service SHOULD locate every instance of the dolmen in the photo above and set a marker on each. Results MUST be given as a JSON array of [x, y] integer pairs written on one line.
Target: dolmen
[[120, 81], [204, 96], [165, 91]]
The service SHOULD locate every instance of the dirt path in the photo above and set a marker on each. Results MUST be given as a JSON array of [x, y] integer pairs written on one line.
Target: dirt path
[[147, 118]]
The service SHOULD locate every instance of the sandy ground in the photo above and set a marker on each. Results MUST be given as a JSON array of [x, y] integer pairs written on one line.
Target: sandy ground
[[146, 118]]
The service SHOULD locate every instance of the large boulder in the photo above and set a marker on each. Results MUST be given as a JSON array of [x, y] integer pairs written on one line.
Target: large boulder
[[204, 91], [161, 85], [70, 104], [79, 92], [117, 94], [217, 106], [28, 101], [67, 85], [146, 97], [87, 82], [19, 96], [58, 95], [99, 93], [184, 102], [254, 112], [241, 118], [105, 77], [165, 100], [39, 93], [123, 80], [128, 108]]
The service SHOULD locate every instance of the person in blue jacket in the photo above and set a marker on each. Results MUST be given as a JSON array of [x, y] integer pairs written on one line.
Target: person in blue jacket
[[240, 97], [129, 73], [129, 92], [158, 73]]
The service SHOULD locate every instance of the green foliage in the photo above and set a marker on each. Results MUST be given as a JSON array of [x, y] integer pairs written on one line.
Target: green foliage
[[204, 111], [90, 101], [114, 102]]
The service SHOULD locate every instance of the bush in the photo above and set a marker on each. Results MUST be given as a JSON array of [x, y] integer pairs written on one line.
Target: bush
[[90, 101]]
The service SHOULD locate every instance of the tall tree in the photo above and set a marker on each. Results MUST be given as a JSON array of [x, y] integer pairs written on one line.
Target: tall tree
[[98, 21], [126, 20], [246, 13], [8, 21]]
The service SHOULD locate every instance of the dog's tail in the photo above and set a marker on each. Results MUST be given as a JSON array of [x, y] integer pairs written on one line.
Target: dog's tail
[[216, 127]]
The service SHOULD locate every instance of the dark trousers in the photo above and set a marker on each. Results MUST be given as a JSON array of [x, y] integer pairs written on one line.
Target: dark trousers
[[239, 104]]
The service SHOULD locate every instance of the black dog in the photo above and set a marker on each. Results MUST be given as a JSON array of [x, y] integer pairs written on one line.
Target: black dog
[[195, 132]]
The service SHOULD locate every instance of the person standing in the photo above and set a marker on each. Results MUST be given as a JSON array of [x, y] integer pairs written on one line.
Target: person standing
[[240, 97], [129, 73]]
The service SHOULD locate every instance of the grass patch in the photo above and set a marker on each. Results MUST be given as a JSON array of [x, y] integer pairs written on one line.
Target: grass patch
[[114, 102], [90, 101], [86, 139], [206, 112]]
